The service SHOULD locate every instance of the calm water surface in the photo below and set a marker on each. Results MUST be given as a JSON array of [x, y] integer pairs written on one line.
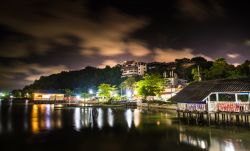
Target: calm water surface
[[52, 127]]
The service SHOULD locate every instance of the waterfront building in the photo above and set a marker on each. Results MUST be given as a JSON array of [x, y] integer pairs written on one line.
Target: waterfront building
[[47, 96], [213, 96], [133, 68], [173, 86]]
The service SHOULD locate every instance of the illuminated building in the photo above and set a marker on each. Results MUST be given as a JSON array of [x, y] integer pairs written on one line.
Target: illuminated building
[[133, 68], [47, 96]]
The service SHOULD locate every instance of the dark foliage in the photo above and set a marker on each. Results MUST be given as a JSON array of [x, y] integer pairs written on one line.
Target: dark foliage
[[91, 77], [78, 81]]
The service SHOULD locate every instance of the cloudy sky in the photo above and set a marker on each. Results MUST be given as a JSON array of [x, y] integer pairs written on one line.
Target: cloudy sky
[[42, 37]]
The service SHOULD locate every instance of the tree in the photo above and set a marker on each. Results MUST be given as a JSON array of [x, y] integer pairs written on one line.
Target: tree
[[196, 74], [85, 95], [220, 69], [78, 80], [17, 93], [68, 92], [183, 68], [106, 90], [129, 83], [150, 85], [4, 94], [244, 69], [202, 62]]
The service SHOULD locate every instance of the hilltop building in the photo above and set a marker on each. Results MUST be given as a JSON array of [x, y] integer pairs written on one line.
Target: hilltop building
[[133, 68]]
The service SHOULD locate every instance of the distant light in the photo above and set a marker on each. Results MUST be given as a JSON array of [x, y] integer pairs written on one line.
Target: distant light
[[46, 96], [91, 91], [27, 95], [115, 94], [2, 94], [78, 97], [129, 93], [135, 92], [158, 123], [11, 96]]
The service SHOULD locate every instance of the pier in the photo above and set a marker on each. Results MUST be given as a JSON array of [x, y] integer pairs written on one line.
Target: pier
[[215, 102]]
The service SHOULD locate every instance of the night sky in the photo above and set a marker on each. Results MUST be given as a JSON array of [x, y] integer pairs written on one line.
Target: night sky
[[42, 37]]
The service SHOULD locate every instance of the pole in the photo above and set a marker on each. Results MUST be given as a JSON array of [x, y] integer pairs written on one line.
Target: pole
[[172, 80], [121, 91], [199, 74], [165, 80]]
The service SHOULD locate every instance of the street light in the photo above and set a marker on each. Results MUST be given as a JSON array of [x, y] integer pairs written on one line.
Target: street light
[[27, 95], [78, 97], [129, 94], [2, 94], [91, 91]]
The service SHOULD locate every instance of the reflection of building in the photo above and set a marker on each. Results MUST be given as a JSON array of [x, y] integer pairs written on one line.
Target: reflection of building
[[211, 141], [133, 68], [48, 96], [194, 140], [44, 117]]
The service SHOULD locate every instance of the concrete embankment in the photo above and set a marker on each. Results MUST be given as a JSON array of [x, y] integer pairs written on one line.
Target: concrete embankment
[[156, 105]]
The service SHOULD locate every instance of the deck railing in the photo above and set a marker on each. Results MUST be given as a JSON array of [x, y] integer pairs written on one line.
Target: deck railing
[[192, 107], [215, 107], [233, 106]]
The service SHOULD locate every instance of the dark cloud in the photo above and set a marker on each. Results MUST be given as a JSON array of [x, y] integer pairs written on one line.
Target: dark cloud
[[71, 34], [200, 10], [15, 44], [16, 74]]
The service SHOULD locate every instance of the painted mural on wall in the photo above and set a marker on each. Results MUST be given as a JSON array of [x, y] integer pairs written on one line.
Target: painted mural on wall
[[191, 107], [215, 107], [233, 106]]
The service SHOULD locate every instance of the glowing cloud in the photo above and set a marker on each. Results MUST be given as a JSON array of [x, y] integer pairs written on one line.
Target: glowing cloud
[[233, 55], [169, 55], [109, 63]]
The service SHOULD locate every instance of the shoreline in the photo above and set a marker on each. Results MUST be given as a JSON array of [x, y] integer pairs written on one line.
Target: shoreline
[[169, 106], [140, 105]]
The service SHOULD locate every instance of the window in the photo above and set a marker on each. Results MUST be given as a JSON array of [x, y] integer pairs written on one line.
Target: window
[[227, 97], [213, 97], [243, 97]]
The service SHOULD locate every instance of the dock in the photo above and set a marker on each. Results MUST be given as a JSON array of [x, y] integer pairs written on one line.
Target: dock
[[215, 102], [219, 117]]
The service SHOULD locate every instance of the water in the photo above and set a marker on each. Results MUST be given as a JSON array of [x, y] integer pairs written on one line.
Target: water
[[48, 127]]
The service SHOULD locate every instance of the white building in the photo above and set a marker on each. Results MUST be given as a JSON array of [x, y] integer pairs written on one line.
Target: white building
[[133, 68]]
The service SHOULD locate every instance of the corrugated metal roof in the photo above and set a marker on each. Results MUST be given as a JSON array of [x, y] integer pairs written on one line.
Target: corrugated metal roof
[[197, 91]]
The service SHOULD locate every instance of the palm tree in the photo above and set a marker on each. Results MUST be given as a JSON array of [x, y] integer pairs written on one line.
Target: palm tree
[[128, 84]]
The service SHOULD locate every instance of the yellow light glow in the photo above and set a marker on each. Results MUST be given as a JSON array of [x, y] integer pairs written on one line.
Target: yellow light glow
[[47, 97], [34, 120]]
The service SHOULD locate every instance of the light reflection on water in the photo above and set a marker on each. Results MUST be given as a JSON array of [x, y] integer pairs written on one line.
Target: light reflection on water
[[137, 117], [44, 118], [77, 119], [128, 117], [99, 118], [110, 117]]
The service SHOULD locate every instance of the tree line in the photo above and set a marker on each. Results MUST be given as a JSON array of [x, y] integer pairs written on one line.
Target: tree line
[[79, 82]]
